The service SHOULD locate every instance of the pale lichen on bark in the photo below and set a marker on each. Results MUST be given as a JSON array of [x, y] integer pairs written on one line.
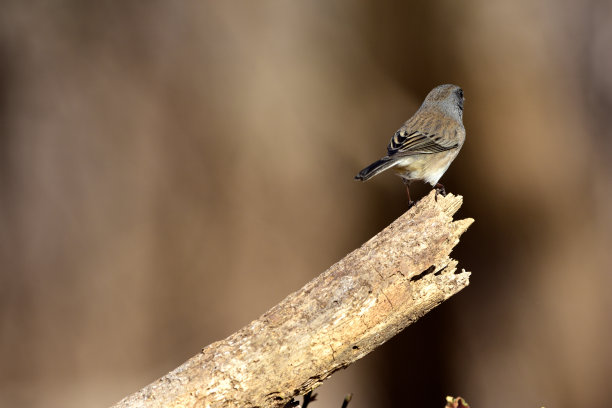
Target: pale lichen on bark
[[346, 312]]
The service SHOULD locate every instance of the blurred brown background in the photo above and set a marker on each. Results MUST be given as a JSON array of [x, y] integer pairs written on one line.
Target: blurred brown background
[[170, 170]]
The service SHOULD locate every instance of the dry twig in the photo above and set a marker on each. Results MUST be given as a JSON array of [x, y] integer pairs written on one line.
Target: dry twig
[[355, 306]]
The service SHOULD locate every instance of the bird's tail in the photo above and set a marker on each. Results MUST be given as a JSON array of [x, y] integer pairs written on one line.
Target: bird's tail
[[375, 168]]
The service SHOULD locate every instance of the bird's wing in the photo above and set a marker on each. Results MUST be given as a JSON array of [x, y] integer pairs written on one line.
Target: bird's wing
[[405, 143]]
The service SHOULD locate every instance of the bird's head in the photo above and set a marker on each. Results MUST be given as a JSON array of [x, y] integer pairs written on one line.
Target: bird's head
[[447, 98]]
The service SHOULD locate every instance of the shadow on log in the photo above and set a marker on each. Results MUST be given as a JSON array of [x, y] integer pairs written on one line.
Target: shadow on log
[[346, 312]]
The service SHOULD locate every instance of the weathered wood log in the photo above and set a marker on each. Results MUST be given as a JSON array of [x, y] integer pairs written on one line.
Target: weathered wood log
[[355, 306]]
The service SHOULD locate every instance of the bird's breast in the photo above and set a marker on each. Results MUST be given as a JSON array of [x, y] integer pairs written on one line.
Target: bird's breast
[[426, 167]]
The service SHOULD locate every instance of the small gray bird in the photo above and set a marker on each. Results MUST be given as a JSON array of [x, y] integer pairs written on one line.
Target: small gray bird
[[428, 142]]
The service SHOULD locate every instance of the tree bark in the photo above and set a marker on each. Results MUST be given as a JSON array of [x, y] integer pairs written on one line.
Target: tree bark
[[355, 306]]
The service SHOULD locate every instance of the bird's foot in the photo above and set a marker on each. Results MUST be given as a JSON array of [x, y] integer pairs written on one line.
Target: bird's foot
[[410, 202], [440, 190]]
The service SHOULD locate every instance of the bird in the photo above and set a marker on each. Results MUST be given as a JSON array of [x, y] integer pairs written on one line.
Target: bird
[[424, 147]]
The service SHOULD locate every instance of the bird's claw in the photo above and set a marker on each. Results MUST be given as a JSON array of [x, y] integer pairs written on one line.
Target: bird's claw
[[440, 190]]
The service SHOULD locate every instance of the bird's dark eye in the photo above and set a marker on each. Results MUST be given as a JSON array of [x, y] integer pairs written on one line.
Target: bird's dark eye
[[460, 93]]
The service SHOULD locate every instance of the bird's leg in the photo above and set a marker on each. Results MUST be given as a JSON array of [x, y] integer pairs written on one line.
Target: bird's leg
[[407, 184], [440, 190]]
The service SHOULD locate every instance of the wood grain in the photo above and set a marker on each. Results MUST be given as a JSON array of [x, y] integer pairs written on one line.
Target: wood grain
[[346, 312]]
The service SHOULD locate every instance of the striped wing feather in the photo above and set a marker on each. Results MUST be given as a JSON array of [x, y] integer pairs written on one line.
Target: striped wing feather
[[406, 143]]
